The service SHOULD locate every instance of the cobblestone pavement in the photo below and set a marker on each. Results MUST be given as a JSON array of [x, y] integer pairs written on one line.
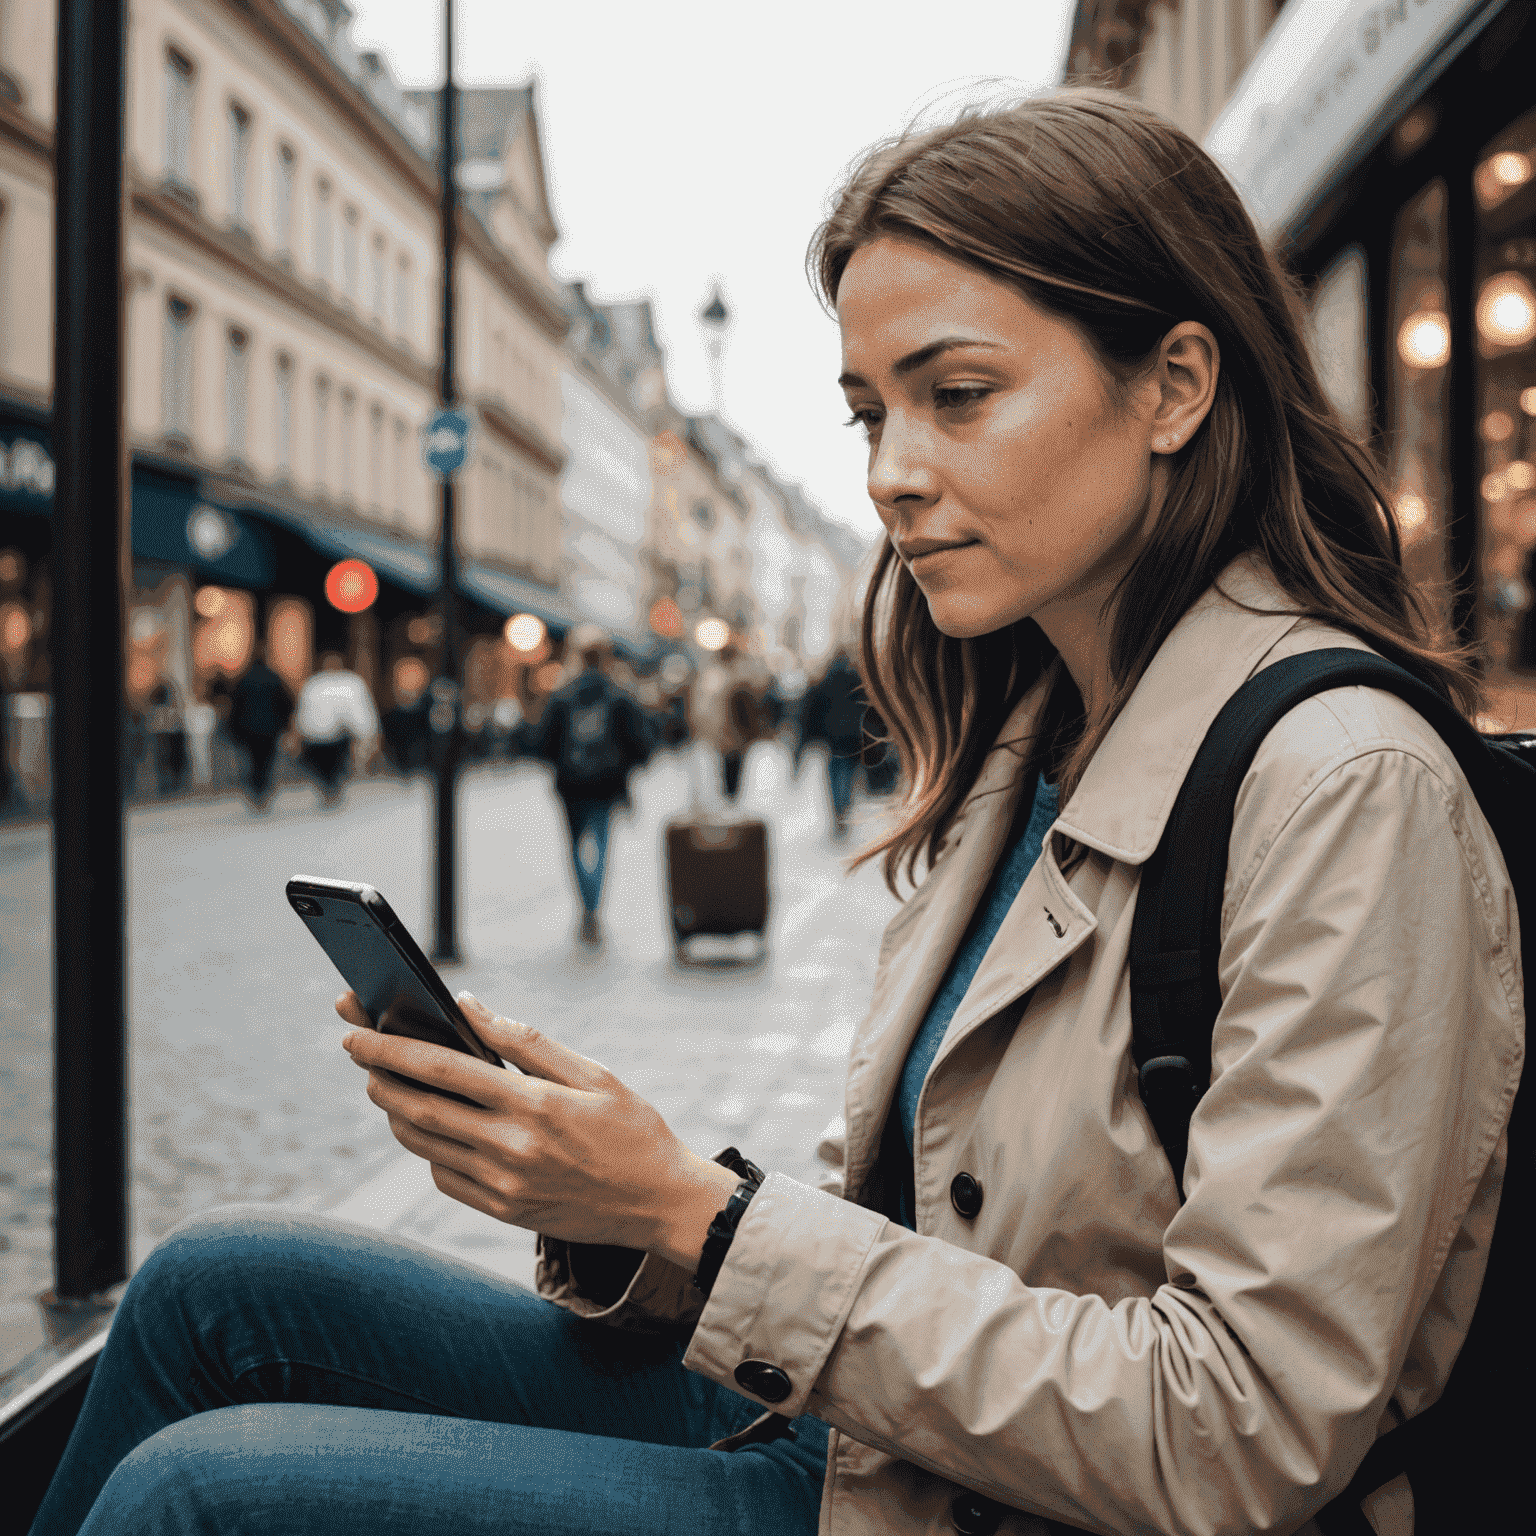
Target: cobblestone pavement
[[239, 1090]]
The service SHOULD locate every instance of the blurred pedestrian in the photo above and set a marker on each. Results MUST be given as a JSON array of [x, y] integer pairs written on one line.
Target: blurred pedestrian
[[832, 711], [166, 722], [336, 713], [406, 730], [259, 711], [595, 735], [725, 714]]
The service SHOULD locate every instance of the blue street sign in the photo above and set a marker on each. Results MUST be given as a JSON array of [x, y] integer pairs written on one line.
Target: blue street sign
[[445, 442]]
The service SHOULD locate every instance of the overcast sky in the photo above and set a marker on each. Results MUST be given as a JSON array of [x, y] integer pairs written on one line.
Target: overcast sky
[[687, 142]]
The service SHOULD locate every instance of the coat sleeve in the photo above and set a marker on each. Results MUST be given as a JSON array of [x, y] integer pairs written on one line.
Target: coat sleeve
[[1364, 1060]]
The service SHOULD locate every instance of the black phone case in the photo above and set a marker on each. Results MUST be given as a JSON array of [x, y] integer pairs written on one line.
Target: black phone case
[[400, 991]]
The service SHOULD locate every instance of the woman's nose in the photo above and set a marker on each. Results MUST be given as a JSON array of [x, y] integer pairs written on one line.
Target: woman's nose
[[899, 467]]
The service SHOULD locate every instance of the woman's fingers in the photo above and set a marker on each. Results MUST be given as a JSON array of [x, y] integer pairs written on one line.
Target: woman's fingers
[[351, 1011], [535, 1053], [433, 1064]]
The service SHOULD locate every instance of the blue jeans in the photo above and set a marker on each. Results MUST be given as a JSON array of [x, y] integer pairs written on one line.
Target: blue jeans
[[840, 771], [589, 854], [292, 1375]]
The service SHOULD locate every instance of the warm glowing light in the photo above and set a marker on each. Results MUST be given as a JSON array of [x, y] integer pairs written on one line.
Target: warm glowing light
[[210, 602], [525, 632], [1424, 341], [666, 617], [1528, 401], [351, 586], [712, 634], [1412, 512], [15, 628], [548, 677], [1511, 169], [1506, 310], [12, 567], [410, 678], [1494, 488], [1498, 426], [1520, 476]]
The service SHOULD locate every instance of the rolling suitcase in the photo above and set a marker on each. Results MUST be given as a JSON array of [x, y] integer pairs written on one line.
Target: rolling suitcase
[[717, 878]]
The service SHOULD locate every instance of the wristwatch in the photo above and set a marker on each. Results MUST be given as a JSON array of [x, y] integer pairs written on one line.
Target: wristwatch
[[723, 1228]]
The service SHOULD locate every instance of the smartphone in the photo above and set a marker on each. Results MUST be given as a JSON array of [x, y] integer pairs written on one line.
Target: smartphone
[[400, 991]]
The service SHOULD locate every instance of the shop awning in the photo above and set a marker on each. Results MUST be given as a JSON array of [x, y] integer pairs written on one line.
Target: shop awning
[[1331, 78], [404, 562], [174, 524], [506, 594]]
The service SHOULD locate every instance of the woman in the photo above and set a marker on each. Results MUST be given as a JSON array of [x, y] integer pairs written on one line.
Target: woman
[[1112, 490]]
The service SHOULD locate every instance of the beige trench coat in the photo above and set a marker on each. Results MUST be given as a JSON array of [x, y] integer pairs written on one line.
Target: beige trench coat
[[1084, 1348]]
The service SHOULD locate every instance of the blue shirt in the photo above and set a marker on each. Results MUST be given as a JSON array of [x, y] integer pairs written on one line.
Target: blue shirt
[[1007, 879]]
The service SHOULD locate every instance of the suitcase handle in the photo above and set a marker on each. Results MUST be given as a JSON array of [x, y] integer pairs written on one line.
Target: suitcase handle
[[715, 837]]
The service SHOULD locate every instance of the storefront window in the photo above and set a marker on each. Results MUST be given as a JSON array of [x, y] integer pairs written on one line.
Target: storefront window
[[1418, 391], [1339, 341], [1504, 185]]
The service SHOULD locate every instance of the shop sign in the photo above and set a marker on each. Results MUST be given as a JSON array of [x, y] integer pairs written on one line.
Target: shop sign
[[26, 475], [1329, 79]]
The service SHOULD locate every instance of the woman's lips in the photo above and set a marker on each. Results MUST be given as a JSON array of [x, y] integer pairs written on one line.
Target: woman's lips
[[932, 557]]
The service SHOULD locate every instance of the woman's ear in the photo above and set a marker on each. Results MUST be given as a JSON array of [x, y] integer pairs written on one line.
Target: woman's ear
[[1188, 366]]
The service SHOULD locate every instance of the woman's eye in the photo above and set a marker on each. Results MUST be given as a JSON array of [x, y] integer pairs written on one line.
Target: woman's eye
[[868, 418], [952, 397]]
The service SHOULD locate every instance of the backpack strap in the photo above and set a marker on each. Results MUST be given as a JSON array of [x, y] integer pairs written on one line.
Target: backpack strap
[[1176, 939]]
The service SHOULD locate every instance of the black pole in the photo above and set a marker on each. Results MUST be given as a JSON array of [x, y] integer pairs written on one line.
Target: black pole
[[445, 687], [90, 1156]]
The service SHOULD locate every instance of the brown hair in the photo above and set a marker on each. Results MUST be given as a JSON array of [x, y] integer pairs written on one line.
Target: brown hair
[[1105, 215]]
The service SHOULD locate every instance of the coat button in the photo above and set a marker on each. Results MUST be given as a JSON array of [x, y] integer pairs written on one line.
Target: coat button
[[763, 1380], [965, 1195], [972, 1515]]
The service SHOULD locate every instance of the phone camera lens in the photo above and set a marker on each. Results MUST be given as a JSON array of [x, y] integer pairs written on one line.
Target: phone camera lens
[[305, 907]]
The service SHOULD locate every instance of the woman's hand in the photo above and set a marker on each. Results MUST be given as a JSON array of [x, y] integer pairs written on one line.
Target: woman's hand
[[568, 1151]]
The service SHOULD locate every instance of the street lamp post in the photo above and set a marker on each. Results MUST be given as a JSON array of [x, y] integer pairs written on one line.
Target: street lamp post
[[444, 715], [86, 651]]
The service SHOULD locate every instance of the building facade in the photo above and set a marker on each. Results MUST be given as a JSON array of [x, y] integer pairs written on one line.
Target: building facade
[[282, 334], [1388, 151]]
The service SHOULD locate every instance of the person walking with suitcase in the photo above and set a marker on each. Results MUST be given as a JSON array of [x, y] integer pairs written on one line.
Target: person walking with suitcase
[[595, 735], [259, 711], [1116, 498]]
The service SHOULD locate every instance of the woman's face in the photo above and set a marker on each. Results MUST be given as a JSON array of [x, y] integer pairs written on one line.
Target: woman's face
[[1012, 485]]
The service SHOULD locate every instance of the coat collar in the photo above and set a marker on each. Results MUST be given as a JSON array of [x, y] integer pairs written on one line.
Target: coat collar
[[1127, 791]]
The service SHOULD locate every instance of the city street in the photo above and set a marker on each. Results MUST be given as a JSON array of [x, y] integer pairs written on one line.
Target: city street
[[240, 1090]]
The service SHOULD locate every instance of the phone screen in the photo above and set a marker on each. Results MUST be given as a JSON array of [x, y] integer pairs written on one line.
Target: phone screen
[[395, 983]]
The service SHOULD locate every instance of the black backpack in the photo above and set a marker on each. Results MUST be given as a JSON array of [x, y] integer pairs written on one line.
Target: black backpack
[[1465, 1455], [590, 751]]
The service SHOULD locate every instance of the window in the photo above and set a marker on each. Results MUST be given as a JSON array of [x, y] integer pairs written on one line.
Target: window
[[236, 388], [284, 445], [322, 430], [178, 118], [176, 372], [1418, 389], [282, 199], [349, 252], [403, 297], [376, 455], [322, 254], [239, 161], [397, 489], [376, 276], [344, 448], [1504, 314], [1339, 343]]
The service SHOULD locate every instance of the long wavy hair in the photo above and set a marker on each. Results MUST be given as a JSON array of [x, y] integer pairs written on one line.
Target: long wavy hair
[[1101, 213]]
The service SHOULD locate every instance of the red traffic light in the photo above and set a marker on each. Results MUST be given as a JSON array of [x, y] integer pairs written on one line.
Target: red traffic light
[[351, 586]]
